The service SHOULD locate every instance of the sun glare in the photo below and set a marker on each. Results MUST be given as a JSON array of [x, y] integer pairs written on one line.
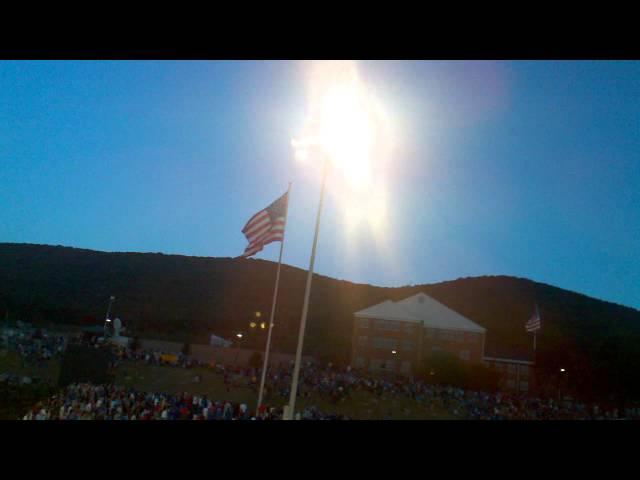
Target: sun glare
[[346, 133], [347, 126]]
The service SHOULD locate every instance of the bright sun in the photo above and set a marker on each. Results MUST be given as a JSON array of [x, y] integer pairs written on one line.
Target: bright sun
[[347, 125]]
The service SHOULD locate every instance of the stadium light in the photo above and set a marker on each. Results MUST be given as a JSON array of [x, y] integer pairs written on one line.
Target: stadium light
[[252, 324], [258, 314], [562, 370], [239, 335], [394, 352], [263, 325]]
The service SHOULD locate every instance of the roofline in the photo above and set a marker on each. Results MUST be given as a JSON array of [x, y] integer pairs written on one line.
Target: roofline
[[387, 317], [446, 308], [508, 360], [478, 329]]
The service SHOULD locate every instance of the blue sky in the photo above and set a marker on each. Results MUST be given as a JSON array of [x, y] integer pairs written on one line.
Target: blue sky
[[515, 168]]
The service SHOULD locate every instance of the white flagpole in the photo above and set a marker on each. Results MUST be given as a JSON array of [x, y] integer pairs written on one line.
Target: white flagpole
[[305, 306], [273, 311]]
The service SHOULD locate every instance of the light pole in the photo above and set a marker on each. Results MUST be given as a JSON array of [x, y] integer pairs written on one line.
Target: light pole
[[562, 371], [344, 127], [106, 319], [239, 335]]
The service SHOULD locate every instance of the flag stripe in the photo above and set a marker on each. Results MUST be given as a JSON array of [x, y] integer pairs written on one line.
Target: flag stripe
[[257, 225], [534, 323], [266, 226], [257, 234], [255, 219]]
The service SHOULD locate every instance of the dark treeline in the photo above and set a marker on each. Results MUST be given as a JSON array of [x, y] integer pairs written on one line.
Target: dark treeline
[[188, 298]]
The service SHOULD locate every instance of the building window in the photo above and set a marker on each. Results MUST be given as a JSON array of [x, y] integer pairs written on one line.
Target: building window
[[436, 349], [384, 343], [524, 386], [360, 362], [512, 368], [363, 323], [362, 341], [524, 371], [511, 384], [428, 332], [449, 335], [389, 325], [408, 346], [464, 354]]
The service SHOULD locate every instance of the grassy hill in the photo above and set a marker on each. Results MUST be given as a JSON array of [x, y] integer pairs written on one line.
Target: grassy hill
[[188, 298]]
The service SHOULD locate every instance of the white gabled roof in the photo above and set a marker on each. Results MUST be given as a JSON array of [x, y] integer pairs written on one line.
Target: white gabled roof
[[387, 310], [421, 308]]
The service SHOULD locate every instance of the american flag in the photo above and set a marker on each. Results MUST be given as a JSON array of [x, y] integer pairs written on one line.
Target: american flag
[[266, 226], [534, 322]]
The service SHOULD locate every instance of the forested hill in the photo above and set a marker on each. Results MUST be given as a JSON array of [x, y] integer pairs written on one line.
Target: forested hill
[[188, 298]]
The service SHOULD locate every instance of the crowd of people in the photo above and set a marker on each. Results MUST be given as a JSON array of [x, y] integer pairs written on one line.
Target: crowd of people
[[328, 382], [117, 403], [156, 357], [338, 384], [110, 402], [35, 346]]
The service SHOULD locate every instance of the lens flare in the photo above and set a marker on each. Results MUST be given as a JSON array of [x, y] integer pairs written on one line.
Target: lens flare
[[348, 126]]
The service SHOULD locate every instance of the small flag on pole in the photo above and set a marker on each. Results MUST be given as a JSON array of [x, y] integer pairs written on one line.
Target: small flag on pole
[[266, 226], [534, 323]]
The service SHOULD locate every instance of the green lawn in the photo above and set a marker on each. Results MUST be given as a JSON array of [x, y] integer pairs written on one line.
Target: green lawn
[[15, 400], [10, 362], [361, 405]]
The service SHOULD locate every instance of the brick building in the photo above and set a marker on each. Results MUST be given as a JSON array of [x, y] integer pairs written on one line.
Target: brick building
[[515, 367], [395, 336]]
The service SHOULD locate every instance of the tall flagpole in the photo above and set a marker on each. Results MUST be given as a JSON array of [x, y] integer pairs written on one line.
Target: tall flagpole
[[273, 311], [305, 306]]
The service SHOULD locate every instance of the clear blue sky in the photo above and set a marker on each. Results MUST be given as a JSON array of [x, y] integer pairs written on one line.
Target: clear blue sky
[[529, 169]]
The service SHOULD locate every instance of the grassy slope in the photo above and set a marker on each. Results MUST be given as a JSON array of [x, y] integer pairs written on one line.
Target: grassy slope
[[361, 405], [15, 400]]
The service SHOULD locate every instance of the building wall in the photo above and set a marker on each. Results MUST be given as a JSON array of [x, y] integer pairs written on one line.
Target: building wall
[[375, 340], [513, 376], [466, 346]]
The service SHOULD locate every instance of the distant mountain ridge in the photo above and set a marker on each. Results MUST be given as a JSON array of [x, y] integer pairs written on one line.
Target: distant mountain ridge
[[188, 298]]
